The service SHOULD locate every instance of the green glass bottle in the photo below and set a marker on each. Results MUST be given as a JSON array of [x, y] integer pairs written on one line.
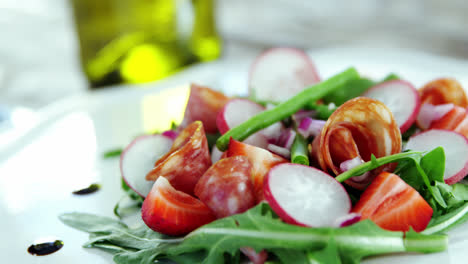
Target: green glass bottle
[[135, 41]]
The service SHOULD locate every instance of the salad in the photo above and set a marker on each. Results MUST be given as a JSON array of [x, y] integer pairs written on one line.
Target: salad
[[303, 170]]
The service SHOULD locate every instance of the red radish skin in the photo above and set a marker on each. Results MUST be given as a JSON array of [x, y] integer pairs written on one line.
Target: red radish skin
[[455, 147], [401, 97], [310, 191], [280, 73], [139, 157]]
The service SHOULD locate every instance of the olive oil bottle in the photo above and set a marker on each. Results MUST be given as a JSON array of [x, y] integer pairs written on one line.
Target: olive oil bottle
[[135, 41]]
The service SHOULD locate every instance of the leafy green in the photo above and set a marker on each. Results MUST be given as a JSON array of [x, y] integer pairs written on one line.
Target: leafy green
[[446, 221], [374, 163], [113, 153], [212, 138], [354, 88], [322, 111], [456, 211], [412, 167], [129, 203], [258, 228], [410, 132], [349, 90]]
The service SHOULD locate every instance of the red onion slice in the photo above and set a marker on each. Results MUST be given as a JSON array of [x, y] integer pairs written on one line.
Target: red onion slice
[[347, 220], [286, 138], [349, 164], [283, 152], [310, 127], [170, 134], [301, 114]]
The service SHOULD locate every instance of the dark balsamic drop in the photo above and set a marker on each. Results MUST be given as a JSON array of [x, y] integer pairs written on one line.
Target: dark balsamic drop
[[45, 248], [90, 189]]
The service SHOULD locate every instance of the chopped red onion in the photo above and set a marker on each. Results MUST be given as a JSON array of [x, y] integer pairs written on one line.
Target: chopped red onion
[[170, 134], [310, 127], [283, 152], [347, 220], [351, 163], [301, 114], [286, 138], [430, 113], [274, 131]]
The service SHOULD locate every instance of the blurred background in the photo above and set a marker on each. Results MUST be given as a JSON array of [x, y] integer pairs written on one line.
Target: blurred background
[[51, 49]]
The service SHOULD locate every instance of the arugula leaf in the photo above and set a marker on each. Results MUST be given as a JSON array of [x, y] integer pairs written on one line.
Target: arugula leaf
[[410, 169], [413, 156], [423, 173], [353, 89], [113, 153], [329, 254], [322, 111], [348, 91], [259, 228], [446, 221]]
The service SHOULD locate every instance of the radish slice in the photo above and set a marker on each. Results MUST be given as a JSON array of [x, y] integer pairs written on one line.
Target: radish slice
[[280, 73], [305, 196], [348, 220], [455, 147], [401, 98], [138, 159], [237, 111]]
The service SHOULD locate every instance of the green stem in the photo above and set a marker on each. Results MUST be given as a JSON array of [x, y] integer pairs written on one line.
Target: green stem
[[286, 109], [299, 152], [374, 163]]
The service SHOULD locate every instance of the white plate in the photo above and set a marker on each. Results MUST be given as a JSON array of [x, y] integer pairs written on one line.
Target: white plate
[[63, 151]]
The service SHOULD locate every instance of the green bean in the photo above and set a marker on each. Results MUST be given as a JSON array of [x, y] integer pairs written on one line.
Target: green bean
[[299, 152], [286, 108]]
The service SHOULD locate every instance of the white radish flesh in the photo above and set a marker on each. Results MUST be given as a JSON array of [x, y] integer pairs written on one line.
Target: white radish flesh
[[401, 98], [455, 147], [237, 111], [138, 159], [280, 73], [305, 196]]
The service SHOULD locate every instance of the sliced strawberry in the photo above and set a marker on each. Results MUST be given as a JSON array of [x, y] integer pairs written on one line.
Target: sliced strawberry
[[393, 205], [203, 104], [187, 160], [261, 159], [226, 187], [172, 212]]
